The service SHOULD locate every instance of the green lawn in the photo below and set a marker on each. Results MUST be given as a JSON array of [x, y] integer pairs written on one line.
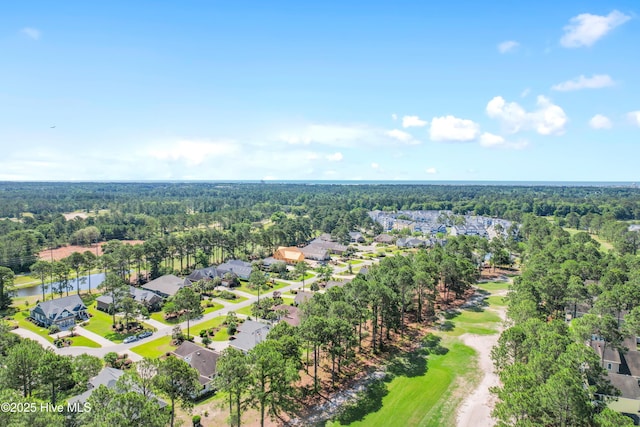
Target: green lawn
[[427, 399], [21, 319], [221, 335], [497, 301], [159, 315], [245, 310], [214, 307], [276, 286], [430, 398], [80, 341], [154, 348], [236, 300], [101, 322], [355, 261], [494, 287], [475, 322], [211, 323]]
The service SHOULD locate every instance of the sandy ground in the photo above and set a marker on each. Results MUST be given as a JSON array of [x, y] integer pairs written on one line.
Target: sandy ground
[[65, 251], [476, 408]]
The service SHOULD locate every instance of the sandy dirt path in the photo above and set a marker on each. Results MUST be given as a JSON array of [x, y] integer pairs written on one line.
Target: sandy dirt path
[[475, 410]]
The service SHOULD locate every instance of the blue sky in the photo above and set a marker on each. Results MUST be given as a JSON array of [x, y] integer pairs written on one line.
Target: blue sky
[[378, 90]]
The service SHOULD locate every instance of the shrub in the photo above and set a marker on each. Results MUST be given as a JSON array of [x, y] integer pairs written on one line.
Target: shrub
[[196, 421], [203, 333], [206, 340], [110, 358], [54, 329]]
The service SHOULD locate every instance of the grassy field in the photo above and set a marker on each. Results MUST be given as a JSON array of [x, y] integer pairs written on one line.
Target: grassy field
[[159, 315], [101, 322], [245, 310], [80, 341], [245, 288], [211, 323], [355, 261], [154, 348], [21, 319], [428, 397], [221, 335], [236, 300]]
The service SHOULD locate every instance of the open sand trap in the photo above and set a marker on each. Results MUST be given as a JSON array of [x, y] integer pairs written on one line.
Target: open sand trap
[[475, 410]]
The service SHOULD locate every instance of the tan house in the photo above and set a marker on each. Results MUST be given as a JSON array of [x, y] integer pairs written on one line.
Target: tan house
[[290, 255]]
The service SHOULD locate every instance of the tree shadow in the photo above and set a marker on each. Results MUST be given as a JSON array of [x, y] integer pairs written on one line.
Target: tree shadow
[[413, 364], [367, 401]]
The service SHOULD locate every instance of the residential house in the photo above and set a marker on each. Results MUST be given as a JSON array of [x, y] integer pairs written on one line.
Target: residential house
[[241, 269], [302, 296], [202, 360], [250, 333], [208, 273], [165, 286], [315, 253], [437, 228], [611, 358], [289, 314], [62, 312], [107, 377], [356, 237], [385, 238], [331, 247], [410, 242], [290, 255], [147, 298], [333, 283]]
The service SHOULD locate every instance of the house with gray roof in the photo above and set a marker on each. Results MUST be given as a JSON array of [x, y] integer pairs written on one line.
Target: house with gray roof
[[241, 269], [356, 237], [208, 273], [107, 377], [302, 297], [315, 253], [250, 333], [410, 242], [165, 286], [145, 297], [62, 312], [202, 360]]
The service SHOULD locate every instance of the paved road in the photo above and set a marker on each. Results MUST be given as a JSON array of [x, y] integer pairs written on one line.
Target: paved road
[[164, 330]]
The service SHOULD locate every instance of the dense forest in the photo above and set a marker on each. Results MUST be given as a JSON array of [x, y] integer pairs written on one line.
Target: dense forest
[[252, 219]]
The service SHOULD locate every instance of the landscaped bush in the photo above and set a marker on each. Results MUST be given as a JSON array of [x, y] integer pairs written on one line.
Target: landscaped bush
[[196, 421], [54, 329], [206, 340]]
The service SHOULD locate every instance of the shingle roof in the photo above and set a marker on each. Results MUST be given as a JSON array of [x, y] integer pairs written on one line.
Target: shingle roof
[[138, 294], [240, 268], [292, 315], [168, 285], [201, 359], [53, 308], [249, 334]]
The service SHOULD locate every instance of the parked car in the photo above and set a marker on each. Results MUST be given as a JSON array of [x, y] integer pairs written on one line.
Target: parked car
[[130, 339], [145, 334]]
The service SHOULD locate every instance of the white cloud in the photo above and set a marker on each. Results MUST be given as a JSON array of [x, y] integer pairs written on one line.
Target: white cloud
[[508, 46], [490, 140], [586, 29], [596, 82], [345, 136], [525, 92], [335, 157], [450, 128], [375, 166], [600, 122], [32, 33], [394, 116], [548, 119], [399, 135], [413, 121], [432, 171], [634, 116], [193, 152]]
